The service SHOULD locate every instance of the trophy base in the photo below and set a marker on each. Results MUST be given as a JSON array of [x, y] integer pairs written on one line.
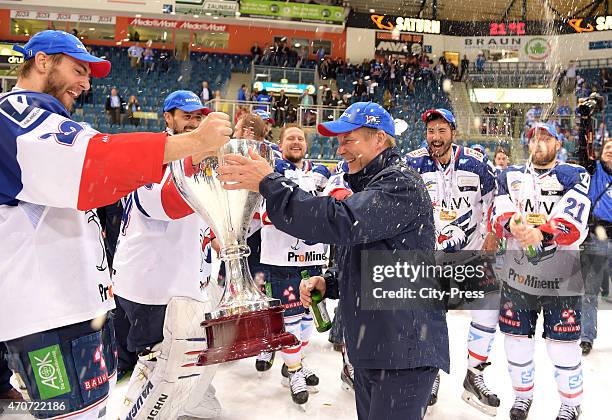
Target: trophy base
[[245, 335]]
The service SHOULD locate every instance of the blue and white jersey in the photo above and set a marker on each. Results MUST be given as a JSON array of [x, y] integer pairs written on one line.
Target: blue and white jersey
[[336, 182], [54, 173], [280, 249], [163, 249], [557, 202], [461, 194]]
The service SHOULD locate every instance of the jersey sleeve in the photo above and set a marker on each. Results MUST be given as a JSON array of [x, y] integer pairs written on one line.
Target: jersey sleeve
[[503, 207], [487, 192], [163, 201], [569, 217], [50, 160]]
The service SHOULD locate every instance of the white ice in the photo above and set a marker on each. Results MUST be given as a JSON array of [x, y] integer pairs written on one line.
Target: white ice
[[245, 396]]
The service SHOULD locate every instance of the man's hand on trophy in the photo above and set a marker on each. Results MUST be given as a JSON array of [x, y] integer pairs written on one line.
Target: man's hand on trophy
[[306, 286], [243, 173], [211, 135]]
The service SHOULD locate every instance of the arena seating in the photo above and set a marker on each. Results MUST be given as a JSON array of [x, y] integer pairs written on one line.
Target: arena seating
[[152, 87]]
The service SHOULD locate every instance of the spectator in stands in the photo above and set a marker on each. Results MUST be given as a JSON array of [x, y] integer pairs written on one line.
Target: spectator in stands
[[149, 58], [570, 77], [242, 93], [598, 245], [114, 107], [489, 125], [135, 54], [205, 94], [465, 65], [387, 100], [132, 107], [480, 62], [164, 60], [500, 159], [582, 90], [264, 99], [320, 53], [303, 57], [360, 93], [606, 79], [326, 94], [308, 116], [256, 53], [282, 106], [372, 90], [254, 95], [217, 104]]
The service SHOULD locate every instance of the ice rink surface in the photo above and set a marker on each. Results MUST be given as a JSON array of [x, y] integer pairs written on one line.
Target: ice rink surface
[[245, 396]]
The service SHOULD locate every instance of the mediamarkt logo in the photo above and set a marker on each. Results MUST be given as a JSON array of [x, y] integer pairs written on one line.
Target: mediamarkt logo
[[310, 256]]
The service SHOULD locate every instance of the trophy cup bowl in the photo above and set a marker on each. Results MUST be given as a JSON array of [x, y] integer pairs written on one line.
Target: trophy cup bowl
[[246, 321]]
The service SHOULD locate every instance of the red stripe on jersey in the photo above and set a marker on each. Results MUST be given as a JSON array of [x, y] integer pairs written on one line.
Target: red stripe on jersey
[[500, 221], [340, 193], [478, 356], [565, 232], [173, 203], [117, 164]]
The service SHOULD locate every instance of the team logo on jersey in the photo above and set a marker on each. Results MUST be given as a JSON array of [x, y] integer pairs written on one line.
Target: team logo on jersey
[[515, 185], [430, 185]]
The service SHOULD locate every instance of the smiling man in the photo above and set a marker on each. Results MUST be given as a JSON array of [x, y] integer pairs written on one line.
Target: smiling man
[[53, 173], [388, 210], [284, 257]]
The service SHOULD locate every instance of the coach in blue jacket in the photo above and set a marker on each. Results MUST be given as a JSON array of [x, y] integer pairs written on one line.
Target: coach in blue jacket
[[396, 354]]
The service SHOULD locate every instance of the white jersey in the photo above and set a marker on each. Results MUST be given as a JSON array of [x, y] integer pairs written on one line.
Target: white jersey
[[557, 202], [164, 248], [280, 249], [54, 172], [461, 195]]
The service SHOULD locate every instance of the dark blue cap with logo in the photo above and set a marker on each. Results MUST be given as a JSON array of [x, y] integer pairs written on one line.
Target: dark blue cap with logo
[[360, 114], [185, 100], [444, 113], [60, 42]]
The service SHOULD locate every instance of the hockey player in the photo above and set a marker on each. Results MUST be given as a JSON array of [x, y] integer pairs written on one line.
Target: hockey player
[[162, 270], [53, 173], [542, 209], [461, 185], [284, 257]]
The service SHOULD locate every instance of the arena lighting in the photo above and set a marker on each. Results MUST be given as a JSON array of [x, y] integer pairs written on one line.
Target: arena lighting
[[196, 16], [372, 11], [138, 15], [208, 14]]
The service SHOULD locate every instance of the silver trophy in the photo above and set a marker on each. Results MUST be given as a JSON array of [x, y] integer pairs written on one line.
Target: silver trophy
[[246, 322]]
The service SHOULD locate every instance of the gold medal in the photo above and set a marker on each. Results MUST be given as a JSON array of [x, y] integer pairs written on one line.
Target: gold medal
[[536, 219], [448, 215]]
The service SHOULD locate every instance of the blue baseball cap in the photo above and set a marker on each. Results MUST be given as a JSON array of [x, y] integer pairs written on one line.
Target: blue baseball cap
[[264, 115], [479, 148], [60, 42], [549, 128], [360, 114], [186, 101], [444, 113]]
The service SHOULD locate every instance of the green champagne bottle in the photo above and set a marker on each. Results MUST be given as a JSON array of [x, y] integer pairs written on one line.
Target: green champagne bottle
[[318, 309], [530, 251]]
